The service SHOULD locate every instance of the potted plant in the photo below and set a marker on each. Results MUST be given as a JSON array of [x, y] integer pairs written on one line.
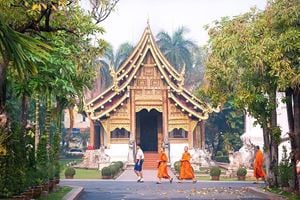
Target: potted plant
[[241, 173], [215, 173], [70, 172], [106, 173], [177, 167]]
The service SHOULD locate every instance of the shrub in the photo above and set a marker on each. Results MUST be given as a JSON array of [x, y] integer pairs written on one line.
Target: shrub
[[70, 171], [215, 171], [106, 171], [119, 164], [219, 153], [223, 159], [177, 166], [241, 171], [114, 169], [285, 169], [225, 152]]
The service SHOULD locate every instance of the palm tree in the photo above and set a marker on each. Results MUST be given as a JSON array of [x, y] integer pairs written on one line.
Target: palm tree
[[177, 49], [23, 52], [110, 59]]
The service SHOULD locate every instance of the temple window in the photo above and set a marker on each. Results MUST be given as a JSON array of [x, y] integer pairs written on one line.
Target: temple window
[[178, 133], [119, 133]]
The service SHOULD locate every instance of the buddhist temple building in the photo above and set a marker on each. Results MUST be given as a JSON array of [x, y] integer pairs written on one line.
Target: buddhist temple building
[[147, 104]]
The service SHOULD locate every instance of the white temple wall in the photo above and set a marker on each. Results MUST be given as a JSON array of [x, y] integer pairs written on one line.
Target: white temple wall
[[255, 133], [117, 152], [176, 151]]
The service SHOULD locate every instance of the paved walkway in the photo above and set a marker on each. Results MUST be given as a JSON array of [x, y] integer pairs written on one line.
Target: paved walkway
[[149, 175], [94, 190], [126, 187]]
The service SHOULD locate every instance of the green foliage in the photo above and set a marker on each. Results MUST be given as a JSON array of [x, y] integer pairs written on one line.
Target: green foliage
[[12, 174], [223, 159], [55, 36], [215, 171], [276, 133], [70, 171], [106, 171], [120, 164], [114, 60], [114, 168], [285, 169], [224, 129], [241, 171], [219, 153], [177, 166], [176, 48], [43, 159]]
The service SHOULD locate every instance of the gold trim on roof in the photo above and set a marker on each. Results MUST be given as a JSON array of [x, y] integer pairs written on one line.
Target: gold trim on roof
[[106, 112], [174, 80], [195, 114]]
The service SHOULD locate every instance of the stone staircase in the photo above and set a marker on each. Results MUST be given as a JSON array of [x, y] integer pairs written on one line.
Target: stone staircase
[[150, 161]]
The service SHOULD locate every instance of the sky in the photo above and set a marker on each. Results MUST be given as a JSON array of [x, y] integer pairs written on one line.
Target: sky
[[129, 19]]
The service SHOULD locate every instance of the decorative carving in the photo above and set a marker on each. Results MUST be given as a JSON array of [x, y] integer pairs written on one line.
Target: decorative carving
[[148, 108], [181, 80], [125, 125], [139, 92], [148, 71], [115, 78], [149, 92], [193, 125], [142, 83], [155, 82], [158, 92], [184, 126]]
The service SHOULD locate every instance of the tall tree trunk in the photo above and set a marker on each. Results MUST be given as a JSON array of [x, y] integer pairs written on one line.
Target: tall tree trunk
[[48, 118], [3, 115], [275, 140], [289, 108], [71, 116], [37, 123], [24, 113], [3, 66], [296, 98], [267, 145], [290, 116]]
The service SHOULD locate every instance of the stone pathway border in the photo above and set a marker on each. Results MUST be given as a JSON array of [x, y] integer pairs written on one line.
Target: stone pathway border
[[74, 194]]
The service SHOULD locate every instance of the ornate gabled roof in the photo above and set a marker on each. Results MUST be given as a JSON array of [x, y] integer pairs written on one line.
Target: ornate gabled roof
[[109, 100]]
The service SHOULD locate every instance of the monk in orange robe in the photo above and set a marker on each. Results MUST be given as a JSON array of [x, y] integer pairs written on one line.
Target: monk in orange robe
[[162, 167], [258, 165], [186, 169]]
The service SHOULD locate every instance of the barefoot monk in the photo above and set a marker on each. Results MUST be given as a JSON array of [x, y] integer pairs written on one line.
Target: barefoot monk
[[258, 165], [162, 166], [186, 169]]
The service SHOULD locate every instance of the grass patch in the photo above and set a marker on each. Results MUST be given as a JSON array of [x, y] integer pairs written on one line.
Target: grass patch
[[62, 191], [85, 174], [288, 195]]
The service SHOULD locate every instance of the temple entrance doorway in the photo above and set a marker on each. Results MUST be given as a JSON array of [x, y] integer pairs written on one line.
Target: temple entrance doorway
[[148, 128]]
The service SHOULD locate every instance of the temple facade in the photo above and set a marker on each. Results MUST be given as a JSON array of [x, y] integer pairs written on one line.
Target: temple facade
[[147, 105]]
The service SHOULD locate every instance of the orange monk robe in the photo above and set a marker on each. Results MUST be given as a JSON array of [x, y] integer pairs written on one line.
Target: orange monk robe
[[258, 165], [186, 169], [162, 166]]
